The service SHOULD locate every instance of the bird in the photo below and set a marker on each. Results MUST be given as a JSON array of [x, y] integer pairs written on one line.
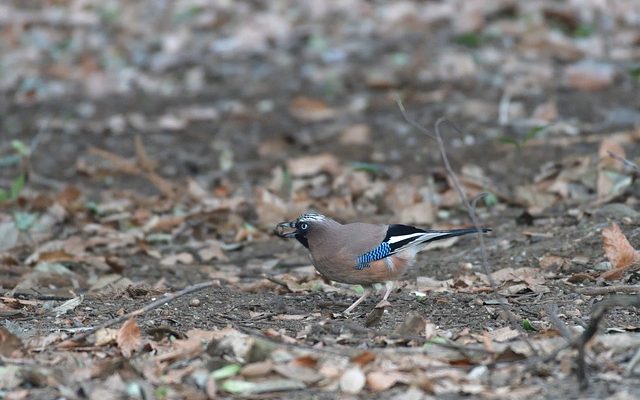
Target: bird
[[362, 253]]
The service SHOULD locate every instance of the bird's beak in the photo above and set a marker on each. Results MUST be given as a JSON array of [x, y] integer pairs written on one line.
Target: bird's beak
[[280, 230]]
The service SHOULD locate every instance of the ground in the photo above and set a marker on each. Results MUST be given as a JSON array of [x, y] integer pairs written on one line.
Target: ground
[[162, 143]]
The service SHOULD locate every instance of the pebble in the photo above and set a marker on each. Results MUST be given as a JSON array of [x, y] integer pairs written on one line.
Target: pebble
[[195, 302]]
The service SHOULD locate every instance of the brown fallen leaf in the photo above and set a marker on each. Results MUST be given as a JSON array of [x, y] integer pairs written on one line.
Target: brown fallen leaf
[[413, 325], [128, 338], [363, 358], [311, 110], [9, 343], [305, 361], [383, 380], [313, 165], [619, 252], [180, 258], [503, 334]]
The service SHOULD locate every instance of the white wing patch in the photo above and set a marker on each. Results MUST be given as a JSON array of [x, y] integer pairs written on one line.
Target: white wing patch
[[396, 239]]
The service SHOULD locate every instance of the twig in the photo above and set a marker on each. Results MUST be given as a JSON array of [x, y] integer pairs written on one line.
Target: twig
[[626, 162], [154, 304], [552, 312], [470, 209], [596, 291]]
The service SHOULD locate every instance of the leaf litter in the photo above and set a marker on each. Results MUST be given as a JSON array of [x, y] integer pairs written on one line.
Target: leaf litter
[[137, 200]]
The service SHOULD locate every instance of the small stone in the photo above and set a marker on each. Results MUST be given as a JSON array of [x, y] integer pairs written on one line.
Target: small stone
[[195, 302], [602, 266]]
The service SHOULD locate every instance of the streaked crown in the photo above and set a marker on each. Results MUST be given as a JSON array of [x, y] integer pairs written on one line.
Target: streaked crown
[[311, 216]]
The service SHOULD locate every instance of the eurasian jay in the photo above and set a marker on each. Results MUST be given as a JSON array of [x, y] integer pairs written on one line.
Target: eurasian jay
[[360, 253]]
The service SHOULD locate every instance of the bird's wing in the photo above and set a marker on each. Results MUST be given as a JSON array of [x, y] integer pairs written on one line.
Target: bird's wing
[[401, 237]]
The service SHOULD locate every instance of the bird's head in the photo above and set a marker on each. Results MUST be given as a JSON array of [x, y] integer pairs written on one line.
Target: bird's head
[[302, 227]]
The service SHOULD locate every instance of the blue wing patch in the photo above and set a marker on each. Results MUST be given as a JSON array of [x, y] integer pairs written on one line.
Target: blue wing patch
[[380, 252]]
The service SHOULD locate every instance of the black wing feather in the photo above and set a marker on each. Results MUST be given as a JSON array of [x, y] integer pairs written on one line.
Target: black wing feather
[[401, 230]]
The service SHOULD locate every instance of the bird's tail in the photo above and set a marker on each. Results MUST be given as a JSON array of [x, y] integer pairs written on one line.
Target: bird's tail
[[433, 235]]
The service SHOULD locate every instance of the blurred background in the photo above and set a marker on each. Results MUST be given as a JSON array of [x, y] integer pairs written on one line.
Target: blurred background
[[225, 89], [287, 105]]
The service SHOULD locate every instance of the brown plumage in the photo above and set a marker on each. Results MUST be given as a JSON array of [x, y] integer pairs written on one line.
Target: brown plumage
[[360, 253]]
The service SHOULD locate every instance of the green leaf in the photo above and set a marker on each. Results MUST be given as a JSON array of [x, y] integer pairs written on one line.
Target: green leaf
[[533, 132], [469, 39], [526, 324], [509, 140], [4, 195], [16, 186], [24, 221], [583, 31], [490, 200], [159, 238], [20, 147], [434, 341], [420, 296], [358, 289], [161, 392], [635, 73], [372, 168], [236, 387], [226, 372]]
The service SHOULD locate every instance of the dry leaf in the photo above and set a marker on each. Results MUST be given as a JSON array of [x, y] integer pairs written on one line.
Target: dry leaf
[[313, 165], [305, 361], [381, 380], [213, 250], [619, 252], [310, 110], [298, 373], [173, 259], [358, 134], [9, 343], [128, 338], [256, 369], [503, 334], [105, 336], [363, 358], [413, 325], [617, 248]]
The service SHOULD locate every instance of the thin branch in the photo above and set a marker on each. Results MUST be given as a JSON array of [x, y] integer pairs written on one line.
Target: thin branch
[[600, 290], [470, 206], [552, 312], [627, 163], [154, 304]]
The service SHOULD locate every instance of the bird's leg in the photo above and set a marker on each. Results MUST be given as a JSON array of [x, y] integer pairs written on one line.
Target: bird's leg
[[385, 302], [367, 290]]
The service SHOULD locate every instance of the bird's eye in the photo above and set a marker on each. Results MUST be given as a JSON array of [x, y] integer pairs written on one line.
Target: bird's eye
[[304, 226]]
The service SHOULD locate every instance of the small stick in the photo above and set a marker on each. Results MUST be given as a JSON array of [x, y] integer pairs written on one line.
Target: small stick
[[470, 206], [552, 312], [140, 311], [596, 291], [626, 162]]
